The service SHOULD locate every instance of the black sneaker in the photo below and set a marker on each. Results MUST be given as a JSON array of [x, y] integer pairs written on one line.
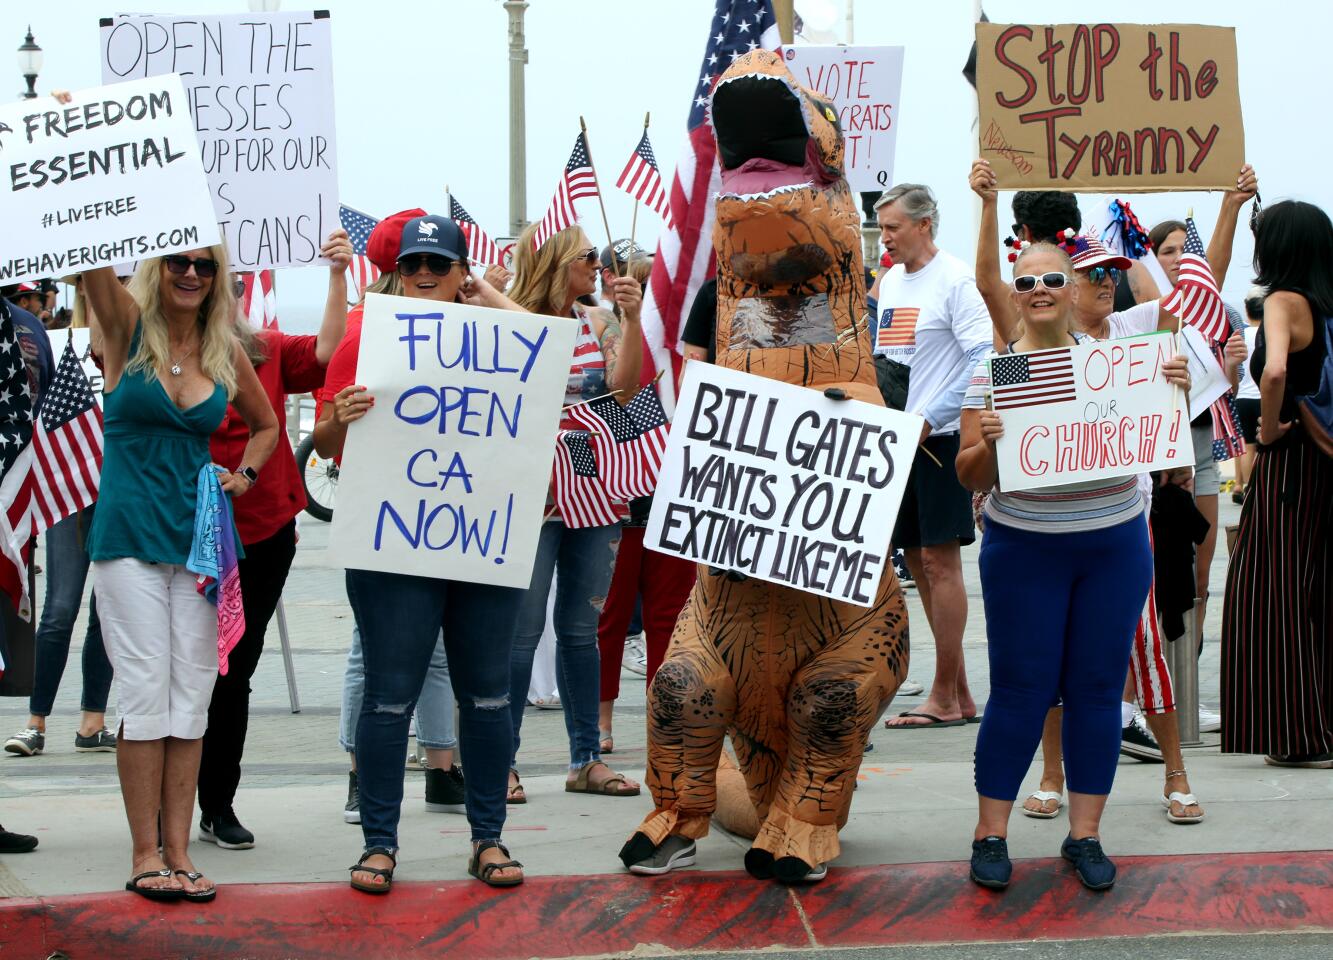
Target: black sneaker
[[444, 790], [990, 863], [103, 741], [1094, 868], [352, 809], [1137, 741], [26, 743], [16, 842], [673, 853], [226, 831]]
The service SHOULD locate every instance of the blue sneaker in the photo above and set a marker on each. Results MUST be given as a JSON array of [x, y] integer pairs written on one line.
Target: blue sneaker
[[1094, 868], [990, 863]]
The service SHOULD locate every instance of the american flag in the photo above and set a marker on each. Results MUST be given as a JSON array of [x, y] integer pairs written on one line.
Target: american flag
[[257, 300], [1032, 379], [578, 181], [1195, 298], [578, 493], [68, 445], [897, 327], [643, 181], [16, 457], [685, 251], [480, 247], [361, 273], [628, 441], [1228, 443]]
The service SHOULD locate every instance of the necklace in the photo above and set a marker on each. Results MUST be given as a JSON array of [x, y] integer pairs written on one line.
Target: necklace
[[176, 364]]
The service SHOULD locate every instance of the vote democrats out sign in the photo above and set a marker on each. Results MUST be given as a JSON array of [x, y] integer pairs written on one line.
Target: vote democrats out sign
[[781, 483], [446, 476]]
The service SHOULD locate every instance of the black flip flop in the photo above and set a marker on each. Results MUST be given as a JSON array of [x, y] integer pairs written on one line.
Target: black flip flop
[[484, 871], [385, 872], [196, 896], [153, 893], [934, 721]]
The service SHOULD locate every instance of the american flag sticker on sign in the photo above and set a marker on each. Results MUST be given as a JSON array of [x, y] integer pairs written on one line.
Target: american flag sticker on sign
[[1030, 379]]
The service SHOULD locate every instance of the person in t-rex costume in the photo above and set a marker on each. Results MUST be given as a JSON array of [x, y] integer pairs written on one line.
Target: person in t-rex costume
[[796, 679]]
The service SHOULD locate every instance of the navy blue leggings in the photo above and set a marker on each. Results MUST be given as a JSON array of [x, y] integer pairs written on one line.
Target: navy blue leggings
[[1061, 609]]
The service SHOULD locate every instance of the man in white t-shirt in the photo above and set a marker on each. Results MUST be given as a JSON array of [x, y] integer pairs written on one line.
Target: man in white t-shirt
[[932, 319]]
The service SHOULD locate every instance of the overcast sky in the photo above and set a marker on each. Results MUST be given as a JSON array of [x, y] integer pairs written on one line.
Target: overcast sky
[[422, 98]]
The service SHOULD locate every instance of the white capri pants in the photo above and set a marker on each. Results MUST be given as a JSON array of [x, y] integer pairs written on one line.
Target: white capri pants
[[161, 635]]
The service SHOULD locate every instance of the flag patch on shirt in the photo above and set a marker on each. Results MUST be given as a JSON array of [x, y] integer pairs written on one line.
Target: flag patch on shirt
[[897, 327]]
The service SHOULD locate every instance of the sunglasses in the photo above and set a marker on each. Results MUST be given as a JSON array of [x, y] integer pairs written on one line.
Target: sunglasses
[[205, 268], [1097, 274], [1051, 281], [438, 265], [590, 256]]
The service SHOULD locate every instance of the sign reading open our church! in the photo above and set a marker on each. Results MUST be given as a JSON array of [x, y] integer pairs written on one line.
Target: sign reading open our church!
[[446, 475]]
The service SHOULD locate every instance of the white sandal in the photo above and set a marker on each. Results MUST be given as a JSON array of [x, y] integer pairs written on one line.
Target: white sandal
[[1185, 800], [1043, 797]]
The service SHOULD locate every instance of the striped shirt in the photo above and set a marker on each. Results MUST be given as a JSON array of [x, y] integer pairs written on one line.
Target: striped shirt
[[1067, 508]]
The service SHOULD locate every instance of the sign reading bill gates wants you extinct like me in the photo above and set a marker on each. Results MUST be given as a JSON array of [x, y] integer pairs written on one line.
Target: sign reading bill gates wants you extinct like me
[[1110, 106]]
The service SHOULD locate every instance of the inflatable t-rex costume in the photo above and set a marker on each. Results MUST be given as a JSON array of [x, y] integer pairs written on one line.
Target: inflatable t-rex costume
[[797, 680]]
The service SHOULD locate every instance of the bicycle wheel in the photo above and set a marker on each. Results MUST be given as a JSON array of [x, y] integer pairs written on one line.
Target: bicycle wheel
[[320, 479]]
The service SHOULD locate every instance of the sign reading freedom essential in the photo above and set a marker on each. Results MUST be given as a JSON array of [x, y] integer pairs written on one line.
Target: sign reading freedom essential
[[260, 90], [865, 86], [781, 483], [1097, 410], [113, 175], [1115, 107], [446, 476]]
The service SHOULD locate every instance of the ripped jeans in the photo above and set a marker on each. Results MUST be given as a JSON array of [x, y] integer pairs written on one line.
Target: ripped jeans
[[400, 618], [582, 561]]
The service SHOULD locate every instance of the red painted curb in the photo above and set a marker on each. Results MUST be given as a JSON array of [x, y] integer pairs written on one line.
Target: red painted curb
[[580, 916]]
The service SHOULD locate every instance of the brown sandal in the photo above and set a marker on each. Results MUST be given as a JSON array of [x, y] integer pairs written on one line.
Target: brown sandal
[[484, 871], [613, 786], [516, 794]]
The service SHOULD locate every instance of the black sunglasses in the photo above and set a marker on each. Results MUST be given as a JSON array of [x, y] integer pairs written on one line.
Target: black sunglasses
[[205, 268], [438, 265], [589, 256], [1051, 281], [1097, 274]]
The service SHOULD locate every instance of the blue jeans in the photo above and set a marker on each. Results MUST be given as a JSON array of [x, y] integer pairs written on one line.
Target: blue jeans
[[584, 559], [400, 619], [435, 703], [66, 572]]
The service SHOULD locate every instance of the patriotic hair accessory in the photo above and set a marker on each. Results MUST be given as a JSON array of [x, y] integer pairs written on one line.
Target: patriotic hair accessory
[[1089, 252], [1135, 240], [386, 239], [1016, 246]]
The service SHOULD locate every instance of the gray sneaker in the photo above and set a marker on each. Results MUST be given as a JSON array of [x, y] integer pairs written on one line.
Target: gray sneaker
[[103, 741], [673, 852], [26, 743]]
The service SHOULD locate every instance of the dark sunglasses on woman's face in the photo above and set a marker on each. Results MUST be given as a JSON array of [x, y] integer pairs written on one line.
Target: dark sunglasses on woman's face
[[1097, 274], [1051, 281], [589, 256], [436, 264], [204, 267]]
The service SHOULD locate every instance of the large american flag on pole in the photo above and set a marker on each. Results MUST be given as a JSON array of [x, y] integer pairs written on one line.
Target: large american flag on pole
[[643, 181], [258, 302], [685, 251], [16, 456], [361, 273], [576, 488], [68, 445], [1195, 298], [576, 182], [480, 247], [628, 441]]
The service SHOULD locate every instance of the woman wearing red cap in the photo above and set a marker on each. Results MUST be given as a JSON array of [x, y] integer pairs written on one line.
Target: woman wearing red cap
[[400, 617]]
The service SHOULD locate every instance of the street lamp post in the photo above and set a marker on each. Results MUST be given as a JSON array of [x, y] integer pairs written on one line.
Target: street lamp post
[[518, 142], [30, 64]]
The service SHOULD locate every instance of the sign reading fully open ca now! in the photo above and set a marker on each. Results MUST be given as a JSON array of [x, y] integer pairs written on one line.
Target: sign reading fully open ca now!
[[1110, 106], [1097, 410], [446, 476], [781, 483]]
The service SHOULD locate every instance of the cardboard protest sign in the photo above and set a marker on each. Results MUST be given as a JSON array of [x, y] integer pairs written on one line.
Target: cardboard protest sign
[[865, 85], [260, 89], [1125, 107], [1097, 410], [446, 476], [781, 483], [113, 175], [83, 347]]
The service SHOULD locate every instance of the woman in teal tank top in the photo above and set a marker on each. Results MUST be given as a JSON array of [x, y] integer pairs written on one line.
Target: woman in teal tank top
[[172, 364]]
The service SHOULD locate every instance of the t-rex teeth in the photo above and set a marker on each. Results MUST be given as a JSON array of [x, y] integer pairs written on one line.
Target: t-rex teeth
[[788, 188]]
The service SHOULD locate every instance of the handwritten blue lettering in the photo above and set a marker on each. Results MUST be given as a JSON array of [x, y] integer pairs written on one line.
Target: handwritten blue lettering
[[463, 403], [456, 469]]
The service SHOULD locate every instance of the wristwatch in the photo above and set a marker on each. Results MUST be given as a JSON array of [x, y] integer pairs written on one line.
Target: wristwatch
[[250, 473]]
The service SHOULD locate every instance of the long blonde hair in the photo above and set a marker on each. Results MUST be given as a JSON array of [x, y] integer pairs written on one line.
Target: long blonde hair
[[217, 314], [541, 277], [390, 283]]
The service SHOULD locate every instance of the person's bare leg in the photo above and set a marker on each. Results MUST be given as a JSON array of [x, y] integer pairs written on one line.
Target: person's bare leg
[[439, 759], [1085, 814], [605, 710], [1243, 467], [1165, 728], [1052, 764], [940, 568], [139, 764], [180, 781], [1203, 562], [36, 723], [91, 722], [992, 817]]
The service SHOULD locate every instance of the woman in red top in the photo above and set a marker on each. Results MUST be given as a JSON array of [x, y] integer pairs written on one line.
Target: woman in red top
[[266, 522]]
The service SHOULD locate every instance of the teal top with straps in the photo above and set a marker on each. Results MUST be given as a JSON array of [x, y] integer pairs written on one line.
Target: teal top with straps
[[153, 451]]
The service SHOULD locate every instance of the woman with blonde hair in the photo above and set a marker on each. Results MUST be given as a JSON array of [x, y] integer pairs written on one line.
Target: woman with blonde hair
[[172, 364], [608, 356]]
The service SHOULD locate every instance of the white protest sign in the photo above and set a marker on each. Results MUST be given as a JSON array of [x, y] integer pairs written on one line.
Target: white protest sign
[[506, 247], [260, 89], [865, 85], [1208, 380], [113, 175], [781, 483], [446, 476], [83, 349], [1100, 409]]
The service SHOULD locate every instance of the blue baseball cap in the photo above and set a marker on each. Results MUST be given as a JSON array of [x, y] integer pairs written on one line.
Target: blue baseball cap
[[433, 235]]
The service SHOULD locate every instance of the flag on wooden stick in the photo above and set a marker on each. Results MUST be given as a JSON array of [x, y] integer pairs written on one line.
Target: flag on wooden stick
[[576, 182], [643, 181], [578, 492], [480, 247], [1195, 298], [627, 441], [361, 273]]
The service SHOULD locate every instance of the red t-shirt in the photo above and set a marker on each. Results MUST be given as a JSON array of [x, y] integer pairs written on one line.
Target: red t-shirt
[[279, 496], [342, 365]]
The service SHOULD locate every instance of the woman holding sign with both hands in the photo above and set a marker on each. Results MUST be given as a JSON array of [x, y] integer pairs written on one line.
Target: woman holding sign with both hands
[[1057, 625]]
